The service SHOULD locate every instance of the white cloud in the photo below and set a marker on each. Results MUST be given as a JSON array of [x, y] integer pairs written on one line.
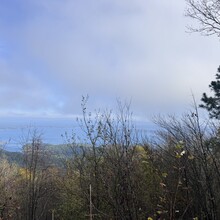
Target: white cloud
[[137, 49], [23, 91]]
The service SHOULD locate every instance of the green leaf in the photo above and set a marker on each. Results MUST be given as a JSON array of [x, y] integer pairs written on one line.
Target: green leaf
[[164, 175]]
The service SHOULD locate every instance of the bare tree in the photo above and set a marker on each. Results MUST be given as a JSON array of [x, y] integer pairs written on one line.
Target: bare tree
[[207, 13], [38, 186], [189, 156], [115, 164]]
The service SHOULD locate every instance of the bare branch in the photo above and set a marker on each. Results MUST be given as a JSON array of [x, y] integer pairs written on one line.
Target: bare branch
[[207, 13]]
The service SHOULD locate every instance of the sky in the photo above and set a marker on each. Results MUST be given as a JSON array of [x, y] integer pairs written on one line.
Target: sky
[[53, 52]]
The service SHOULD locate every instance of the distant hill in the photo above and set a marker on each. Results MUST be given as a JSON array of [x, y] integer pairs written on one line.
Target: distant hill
[[13, 157], [57, 154]]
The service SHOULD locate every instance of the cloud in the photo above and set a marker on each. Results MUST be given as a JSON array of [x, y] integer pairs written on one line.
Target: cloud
[[108, 49], [24, 92]]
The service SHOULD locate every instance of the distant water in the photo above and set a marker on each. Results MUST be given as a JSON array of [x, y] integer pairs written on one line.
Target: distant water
[[14, 130]]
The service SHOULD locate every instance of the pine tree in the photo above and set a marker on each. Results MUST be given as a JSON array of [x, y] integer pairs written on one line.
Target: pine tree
[[212, 103]]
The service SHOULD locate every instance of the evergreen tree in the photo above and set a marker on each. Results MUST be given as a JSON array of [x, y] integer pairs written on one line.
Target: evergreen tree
[[212, 103]]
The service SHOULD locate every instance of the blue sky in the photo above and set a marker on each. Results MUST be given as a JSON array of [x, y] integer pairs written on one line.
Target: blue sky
[[54, 51]]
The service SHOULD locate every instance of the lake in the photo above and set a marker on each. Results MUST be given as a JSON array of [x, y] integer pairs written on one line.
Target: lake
[[14, 130]]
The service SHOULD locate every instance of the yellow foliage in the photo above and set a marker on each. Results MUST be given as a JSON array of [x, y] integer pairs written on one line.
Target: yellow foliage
[[178, 155], [190, 157], [164, 175], [139, 148], [24, 173], [179, 146], [141, 151]]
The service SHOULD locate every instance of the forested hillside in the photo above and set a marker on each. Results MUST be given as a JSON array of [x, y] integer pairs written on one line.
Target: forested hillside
[[116, 173]]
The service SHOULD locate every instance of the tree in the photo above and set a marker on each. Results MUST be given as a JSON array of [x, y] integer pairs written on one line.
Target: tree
[[117, 166], [9, 201], [212, 104], [38, 179], [190, 162], [207, 13]]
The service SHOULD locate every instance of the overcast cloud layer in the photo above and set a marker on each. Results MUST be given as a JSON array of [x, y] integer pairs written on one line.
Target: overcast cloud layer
[[53, 52]]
